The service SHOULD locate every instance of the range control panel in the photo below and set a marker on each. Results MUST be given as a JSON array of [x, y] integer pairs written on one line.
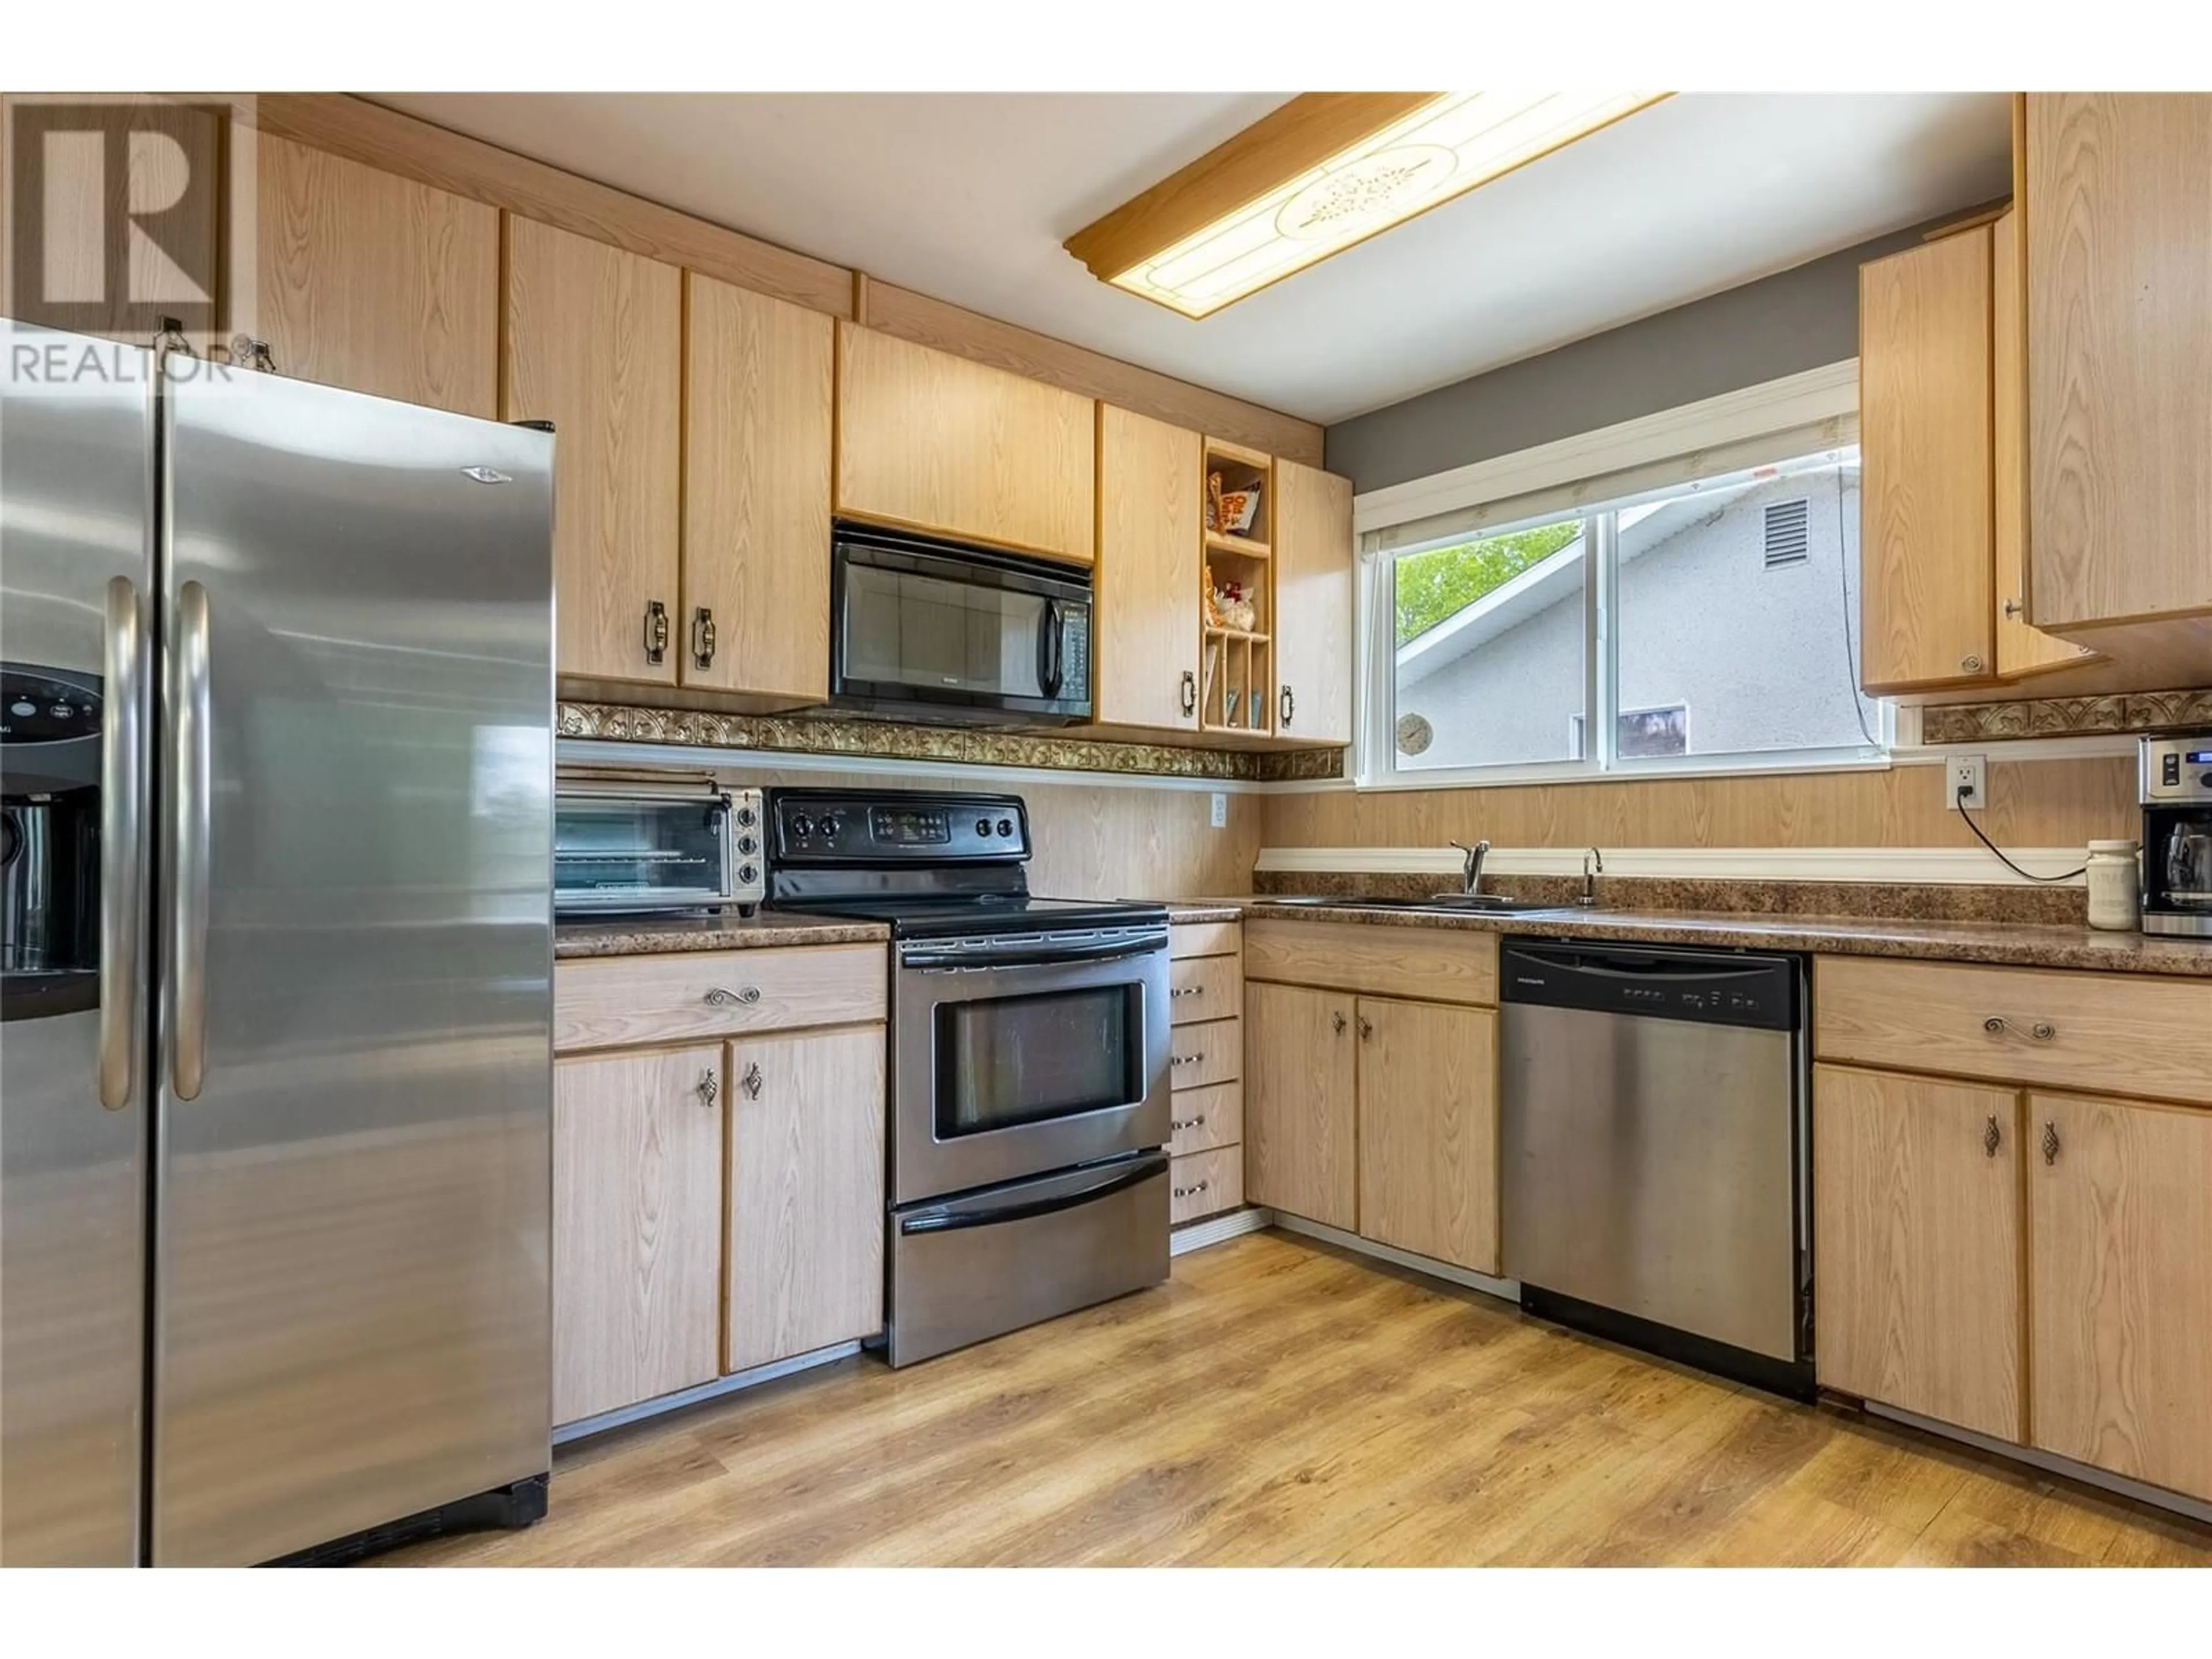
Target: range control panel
[[820, 826]]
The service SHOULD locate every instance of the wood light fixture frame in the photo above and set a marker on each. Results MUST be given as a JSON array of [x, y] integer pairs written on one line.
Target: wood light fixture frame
[[1304, 136]]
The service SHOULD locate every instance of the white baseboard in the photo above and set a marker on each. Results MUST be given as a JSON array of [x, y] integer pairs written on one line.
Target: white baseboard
[[2049, 1462], [1216, 1229], [586, 1427], [1971, 865], [1508, 1290]]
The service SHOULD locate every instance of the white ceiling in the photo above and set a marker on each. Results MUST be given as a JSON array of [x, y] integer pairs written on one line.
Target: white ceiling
[[968, 197]]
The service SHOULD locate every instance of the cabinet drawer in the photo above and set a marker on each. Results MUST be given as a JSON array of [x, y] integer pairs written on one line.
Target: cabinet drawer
[[1204, 1183], [2108, 1033], [1205, 988], [1207, 1118], [609, 1002], [1205, 939], [1431, 964], [1199, 1055]]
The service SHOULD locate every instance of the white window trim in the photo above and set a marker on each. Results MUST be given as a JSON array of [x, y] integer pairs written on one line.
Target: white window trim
[[1824, 399]]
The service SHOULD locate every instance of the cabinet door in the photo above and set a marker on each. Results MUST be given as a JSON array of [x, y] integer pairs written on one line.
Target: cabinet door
[[939, 443], [1300, 1111], [2120, 1204], [1428, 1130], [2022, 649], [1313, 603], [1916, 1265], [806, 1264], [374, 282], [1147, 610], [595, 345], [756, 419], [1924, 446], [637, 1227], [2119, 329]]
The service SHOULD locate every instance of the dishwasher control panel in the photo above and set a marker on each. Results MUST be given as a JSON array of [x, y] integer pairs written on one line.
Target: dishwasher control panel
[[1752, 988]]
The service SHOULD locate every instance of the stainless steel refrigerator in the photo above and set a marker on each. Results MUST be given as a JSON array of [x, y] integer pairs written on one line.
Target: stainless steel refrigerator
[[276, 1066]]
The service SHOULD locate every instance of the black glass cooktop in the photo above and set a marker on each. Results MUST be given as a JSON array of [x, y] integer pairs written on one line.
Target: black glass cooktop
[[938, 915]]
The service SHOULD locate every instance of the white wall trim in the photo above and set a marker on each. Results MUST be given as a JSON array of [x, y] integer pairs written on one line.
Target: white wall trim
[[1218, 1229], [1971, 865], [2036, 1458], [609, 751], [1506, 1289], [584, 1427], [1795, 400]]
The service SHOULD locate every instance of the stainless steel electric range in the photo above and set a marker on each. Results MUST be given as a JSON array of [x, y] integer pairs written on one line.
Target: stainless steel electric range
[[1029, 1060]]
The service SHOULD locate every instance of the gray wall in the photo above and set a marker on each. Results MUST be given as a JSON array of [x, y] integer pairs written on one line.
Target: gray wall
[[1781, 324], [1759, 656]]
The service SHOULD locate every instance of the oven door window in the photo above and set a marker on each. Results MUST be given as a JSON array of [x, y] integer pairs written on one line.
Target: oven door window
[[1026, 1060], [611, 853], [901, 628]]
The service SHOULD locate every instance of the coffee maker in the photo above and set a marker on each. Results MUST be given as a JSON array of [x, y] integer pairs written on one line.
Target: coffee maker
[[50, 721], [2177, 837]]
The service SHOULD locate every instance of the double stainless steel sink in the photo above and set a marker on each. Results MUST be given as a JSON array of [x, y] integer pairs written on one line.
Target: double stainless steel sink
[[1480, 904]]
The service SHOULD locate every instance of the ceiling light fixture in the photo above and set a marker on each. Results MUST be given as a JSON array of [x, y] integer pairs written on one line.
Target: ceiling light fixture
[[1325, 171]]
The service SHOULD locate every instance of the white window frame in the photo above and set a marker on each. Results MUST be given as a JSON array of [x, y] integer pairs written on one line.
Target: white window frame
[[1796, 415]]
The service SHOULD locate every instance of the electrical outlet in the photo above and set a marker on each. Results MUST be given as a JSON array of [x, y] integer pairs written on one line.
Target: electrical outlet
[[1220, 818], [1968, 773]]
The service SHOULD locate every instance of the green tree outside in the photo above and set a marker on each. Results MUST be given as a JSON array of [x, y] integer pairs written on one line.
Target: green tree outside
[[1445, 580]]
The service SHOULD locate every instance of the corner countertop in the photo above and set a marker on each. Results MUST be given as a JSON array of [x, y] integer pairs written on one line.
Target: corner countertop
[[1195, 910], [2009, 944], [720, 930]]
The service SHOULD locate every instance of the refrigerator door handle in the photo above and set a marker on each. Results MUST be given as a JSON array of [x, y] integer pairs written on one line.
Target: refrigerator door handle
[[122, 804], [189, 914]]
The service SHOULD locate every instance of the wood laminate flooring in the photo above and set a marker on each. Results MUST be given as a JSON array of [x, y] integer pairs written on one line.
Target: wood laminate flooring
[[1282, 1402]]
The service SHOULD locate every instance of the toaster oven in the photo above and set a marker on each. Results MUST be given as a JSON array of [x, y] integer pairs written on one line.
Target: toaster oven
[[631, 848]]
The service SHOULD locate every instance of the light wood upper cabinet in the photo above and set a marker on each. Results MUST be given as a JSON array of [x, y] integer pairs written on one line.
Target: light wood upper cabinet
[[595, 345], [1300, 1106], [1146, 612], [1924, 442], [1917, 1210], [2120, 1204], [757, 434], [374, 282], [1428, 1130], [805, 1265], [1313, 563], [939, 444], [637, 1224], [2119, 325]]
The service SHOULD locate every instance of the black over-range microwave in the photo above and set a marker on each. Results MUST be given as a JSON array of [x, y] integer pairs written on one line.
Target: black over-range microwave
[[931, 629]]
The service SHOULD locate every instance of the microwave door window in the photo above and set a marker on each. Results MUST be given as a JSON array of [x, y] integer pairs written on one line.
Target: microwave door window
[[907, 629], [1024, 1060]]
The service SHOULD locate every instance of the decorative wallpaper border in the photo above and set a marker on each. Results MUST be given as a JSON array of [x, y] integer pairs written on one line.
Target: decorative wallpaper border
[[2064, 717], [810, 734]]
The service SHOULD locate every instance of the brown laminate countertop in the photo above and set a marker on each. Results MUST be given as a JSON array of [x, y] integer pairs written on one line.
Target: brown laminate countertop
[[2009, 944], [720, 930], [1195, 910]]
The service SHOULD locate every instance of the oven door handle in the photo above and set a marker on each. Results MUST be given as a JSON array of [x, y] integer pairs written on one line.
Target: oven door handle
[[1118, 952], [946, 1221]]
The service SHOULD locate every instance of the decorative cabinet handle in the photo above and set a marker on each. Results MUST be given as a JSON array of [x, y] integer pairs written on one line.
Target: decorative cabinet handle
[[1179, 1124], [1184, 1060], [1969, 665], [1337, 1021], [2013, 608], [1992, 1138], [2050, 1142], [1187, 991], [1366, 1030], [1189, 692], [710, 1087], [246, 352], [2043, 1031], [1192, 1192], [722, 998], [702, 637], [656, 632], [752, 1081], [1290, 703]]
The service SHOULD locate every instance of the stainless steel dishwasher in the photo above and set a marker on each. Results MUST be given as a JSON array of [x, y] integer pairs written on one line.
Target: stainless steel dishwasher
[[1653, 1149]]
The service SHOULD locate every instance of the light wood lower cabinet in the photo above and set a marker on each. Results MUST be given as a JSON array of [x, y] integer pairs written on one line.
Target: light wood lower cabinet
[[2120, 1271], [805, 1267], [1300, 1078], [1428, 1130], [637, 1224], [1917, 1224]]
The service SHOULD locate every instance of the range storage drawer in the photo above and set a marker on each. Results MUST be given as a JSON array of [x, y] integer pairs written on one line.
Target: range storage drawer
[[1203, 1119], [609, 1002], [1199, 1055], [2126, 1034], [1205, 988], [1206, 1183]]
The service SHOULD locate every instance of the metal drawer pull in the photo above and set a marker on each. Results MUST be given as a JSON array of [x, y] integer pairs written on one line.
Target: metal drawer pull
[[1366, 1030], [702, 637], [1992, 1138], [710, 1087], [1191, 1192], [1337, 1021], [752, 1081], [1189, 692], [722, 999], [2050, 1142], [2043, 1031], [1179, 1124], [1184, 1060], [656, 632], [1187, 991]]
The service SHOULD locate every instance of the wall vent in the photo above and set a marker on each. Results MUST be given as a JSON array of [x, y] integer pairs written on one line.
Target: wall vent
[[1786, 533]]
